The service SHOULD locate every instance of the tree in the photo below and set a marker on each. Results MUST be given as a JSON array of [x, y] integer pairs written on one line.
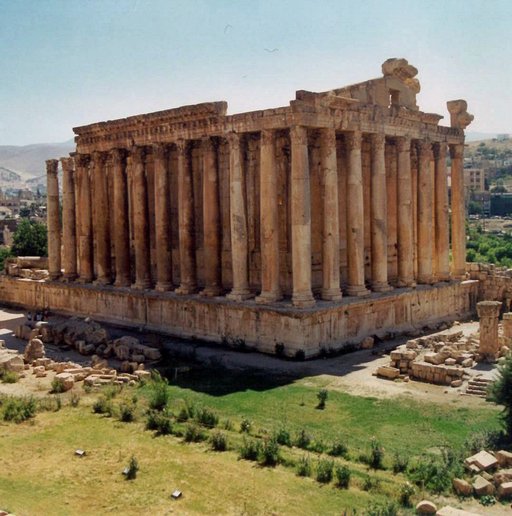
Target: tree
[[30, 239], [501, 393], [475, 208], [498, 189]]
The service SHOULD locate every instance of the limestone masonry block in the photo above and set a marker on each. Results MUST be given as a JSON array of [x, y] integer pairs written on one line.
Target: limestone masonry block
[[484, 460], [482, 486]]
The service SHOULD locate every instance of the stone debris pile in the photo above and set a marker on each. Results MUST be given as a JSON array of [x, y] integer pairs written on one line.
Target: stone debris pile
[[10, 360], [28, 267]]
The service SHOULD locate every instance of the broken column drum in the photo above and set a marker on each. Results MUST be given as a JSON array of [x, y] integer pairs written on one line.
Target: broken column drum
[[489, 313]]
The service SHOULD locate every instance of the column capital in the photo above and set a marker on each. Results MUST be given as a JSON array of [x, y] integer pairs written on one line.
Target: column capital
[[457, 151], [99, 157], [81, 160], [52, 166], [181, 146], [378, 140], [354, 140], [159, 151], [138, 153], [328, 137], [299, 135], [424, 147], [207, 144], [439, 150], [233, 140], [403, 144], [267, 137], [118, 156], [67, 164]]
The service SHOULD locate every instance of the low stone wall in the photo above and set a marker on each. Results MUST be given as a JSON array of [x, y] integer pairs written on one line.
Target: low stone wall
[[438, 374], [495, 283], [281, 328]]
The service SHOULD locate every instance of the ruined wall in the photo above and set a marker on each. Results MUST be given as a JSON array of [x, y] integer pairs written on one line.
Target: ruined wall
[[495, 283]]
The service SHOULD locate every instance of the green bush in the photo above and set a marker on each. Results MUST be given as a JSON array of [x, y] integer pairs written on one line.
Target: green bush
[[387, 508], [400, 463], [431, 473], [342, 476], [487, 500], [206, 417], [159, 395], [227, 424], [30, 239], [302, 439], [250, 449], [127, 412], [9, 377], [219, 441], [283, 437], [322, 398], [193, 433], [501, 393], [74, 399], [324, 471], [370, 483], [18, 410], [338, 449], [50, 403], [57, 386], [245, 425], [103, 406], [133, 469], [269, 455], [304, 467], [376, 454], [159, 421], [406, 492]]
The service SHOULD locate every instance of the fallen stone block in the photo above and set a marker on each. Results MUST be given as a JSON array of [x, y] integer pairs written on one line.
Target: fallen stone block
[[11, 362], [388, 372], [461, 487], [505, 490], [34, 349], [367, 343], [426, 507], [502, 476], [483, 487], [504, 458], [66, 379], [484, 460], [456, 383], [433, 358], [451, 511]]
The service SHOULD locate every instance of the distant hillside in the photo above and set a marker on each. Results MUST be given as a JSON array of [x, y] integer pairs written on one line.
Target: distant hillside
[[28, 161]]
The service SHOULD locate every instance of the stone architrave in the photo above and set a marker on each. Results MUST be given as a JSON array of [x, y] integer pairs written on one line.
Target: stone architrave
[[121, 235], [330, 228], [301, 218], [405, 235], [162, 219], [379, 261], [85, 270], [355, 217], [458, 212], [238, 222], [68, 219], [269, 224], [140, 220], [53, 219], [101, 219], [442, 232], [425, 213], [211, 221], [489, 312], [188, 278]]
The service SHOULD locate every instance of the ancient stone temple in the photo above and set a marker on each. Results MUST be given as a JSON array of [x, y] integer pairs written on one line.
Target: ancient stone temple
[[297, 228]]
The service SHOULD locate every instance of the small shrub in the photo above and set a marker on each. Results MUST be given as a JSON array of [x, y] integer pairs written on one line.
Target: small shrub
[[133, 469], [370, 483], [387, 508], [487, 500], [219, 441], [193, 433], [245, 425], [406, 492], [431, 473], [126, 412], [376, 454], [400, 463], [74, 399], [111, 391], [342, 476], [304, 467], [317, 446], [158, 421], [227, 424], [484, 440], [303, 439], [338, 449], [50, 403], [269, 452], [183, 415], [57, 386], [18, 410], [103, 406], [159, 395], [322, 398], [9, 377], [206, 417], [283, 437], [87, 388], [250, 449], [324, 471]]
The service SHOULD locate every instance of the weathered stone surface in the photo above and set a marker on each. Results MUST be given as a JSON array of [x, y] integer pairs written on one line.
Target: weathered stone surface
[[484, 460], [11, 362], [505, 490], [461, 487], [388, 372], [504, 458], [67, 380], [482, 486], [452, 511], [502, 476], [426, 507], [367, 343], [34, 349]]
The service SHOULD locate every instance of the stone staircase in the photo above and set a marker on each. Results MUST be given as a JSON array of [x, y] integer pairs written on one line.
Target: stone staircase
[[478, 386]]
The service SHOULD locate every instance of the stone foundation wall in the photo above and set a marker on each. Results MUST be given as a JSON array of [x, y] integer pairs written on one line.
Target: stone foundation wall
[[495, 283], [326, 327]]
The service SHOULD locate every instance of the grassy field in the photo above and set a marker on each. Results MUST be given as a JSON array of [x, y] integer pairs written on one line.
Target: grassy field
[[41, 475]]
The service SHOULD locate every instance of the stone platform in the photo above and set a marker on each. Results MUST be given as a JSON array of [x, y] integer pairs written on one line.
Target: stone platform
[[280, 327]]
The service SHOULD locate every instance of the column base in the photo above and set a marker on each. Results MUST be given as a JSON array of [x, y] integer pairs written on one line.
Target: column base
[[303, 299], [68, 278], [459, 274], [141, 285], [381, 287], [122, 282], [102, 281], [426, 280], [358, 291], [186, 290], [55, 275], [163, 287], [84, 279], [239, 295], [331, 294], [267, 298], [211, 291], [407, 283]]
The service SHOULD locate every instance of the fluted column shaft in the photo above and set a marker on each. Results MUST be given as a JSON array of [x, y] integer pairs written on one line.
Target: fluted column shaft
[[211, 221], [188, 278], [140, 220], [53, 218], [458, 212], [330, 229], [162, 219], [355, 217], [405, 215], [121, 235], [238, 222], [379, 224], [442, 236], [68, 219], [425, 213], [101, 220], [85, 219], [269, 223]]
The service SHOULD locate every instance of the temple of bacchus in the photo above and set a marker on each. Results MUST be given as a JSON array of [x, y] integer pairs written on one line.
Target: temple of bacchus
[[299, 228]]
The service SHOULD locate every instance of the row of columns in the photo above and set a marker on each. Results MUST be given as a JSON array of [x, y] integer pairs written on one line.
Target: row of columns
[[92, 220]]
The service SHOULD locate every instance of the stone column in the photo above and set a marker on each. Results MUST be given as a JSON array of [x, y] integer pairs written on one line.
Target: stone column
[[330, 229], [355, 217], [507, 327], [101, 219], [121, 235], [238, 221], [425, 213], [53, 219], [85, 219], [140, 222], [269, 223], [379, 215], [300, 214], [211, 221], [162, 219], [458, 212], [188, 279], [442, 232], [405, 214], [68, 219], [489, 313]]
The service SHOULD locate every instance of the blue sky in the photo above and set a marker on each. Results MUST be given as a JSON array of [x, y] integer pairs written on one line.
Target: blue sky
[[71, 62]]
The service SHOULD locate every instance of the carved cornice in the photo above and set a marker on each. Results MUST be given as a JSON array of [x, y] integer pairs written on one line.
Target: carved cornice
[[52, 166], [298, 135]]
